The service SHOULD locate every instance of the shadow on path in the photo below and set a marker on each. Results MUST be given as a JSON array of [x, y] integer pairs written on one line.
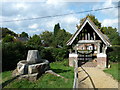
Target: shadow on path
[[8, 81], [88, 76]]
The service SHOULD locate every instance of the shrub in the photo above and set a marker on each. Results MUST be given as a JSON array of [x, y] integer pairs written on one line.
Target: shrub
[[54, 54], [114, 54], [11, 54], [8, 38]]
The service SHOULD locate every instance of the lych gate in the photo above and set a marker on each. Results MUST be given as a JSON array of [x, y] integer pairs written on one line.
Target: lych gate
[[88, 44]]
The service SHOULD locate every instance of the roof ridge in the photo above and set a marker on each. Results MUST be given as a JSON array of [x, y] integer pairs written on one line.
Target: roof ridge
[[97, 30]]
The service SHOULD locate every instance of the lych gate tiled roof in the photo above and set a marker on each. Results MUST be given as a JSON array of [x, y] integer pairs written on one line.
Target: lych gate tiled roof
[[95, 28]]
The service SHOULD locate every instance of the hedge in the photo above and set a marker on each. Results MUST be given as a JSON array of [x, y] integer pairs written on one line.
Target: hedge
[[114, 53]]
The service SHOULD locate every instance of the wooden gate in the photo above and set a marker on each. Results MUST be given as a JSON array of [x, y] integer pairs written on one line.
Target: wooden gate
[[86, 60]]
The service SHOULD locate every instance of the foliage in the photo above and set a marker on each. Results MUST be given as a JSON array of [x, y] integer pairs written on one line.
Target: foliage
[[48, 80], [54, 54], [24, 34], [61, 38], [95, 20], [8, 38], [114, 71], [56, 29], [34, 40], [114, 54], [46, 38], [6, 31], [112, 34], [11, 54]]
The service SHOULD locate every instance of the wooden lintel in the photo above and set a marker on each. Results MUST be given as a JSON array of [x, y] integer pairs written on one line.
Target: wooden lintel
[[88, 41]]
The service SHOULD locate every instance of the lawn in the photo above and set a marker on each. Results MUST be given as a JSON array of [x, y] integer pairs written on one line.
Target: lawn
[[46, 80], [5, 76], [114, 71]]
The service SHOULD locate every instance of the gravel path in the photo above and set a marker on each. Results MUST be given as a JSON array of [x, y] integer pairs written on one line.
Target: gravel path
[[89, 77]]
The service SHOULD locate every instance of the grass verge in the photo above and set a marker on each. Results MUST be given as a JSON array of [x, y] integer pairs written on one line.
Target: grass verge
[[114, 71]]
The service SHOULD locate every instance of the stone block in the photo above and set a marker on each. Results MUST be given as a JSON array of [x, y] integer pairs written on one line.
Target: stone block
[[34, 68], [33, 57], [22, 67], [31, 77], [38, 68]]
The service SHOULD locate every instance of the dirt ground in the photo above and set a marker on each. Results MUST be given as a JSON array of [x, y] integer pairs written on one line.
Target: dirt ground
[[93, 77]]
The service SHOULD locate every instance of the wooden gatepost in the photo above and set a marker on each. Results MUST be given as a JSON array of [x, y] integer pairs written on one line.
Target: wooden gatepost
[[75, 84]]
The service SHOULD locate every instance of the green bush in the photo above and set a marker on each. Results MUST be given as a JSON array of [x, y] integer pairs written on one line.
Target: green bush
[[11, 54], [114, 54], [54, 54], [8, 38]]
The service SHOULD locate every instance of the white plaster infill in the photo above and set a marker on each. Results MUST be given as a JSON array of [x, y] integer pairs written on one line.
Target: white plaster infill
[[73, 55], [101, 55]]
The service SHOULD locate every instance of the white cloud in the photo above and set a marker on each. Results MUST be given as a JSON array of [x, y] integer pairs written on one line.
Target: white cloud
[[108, 3], [21, 6], [110, 22], [70, 19], [34, 26]]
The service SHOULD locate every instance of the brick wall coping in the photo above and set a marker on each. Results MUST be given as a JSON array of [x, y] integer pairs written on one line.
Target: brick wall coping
[[73, 55], [101, 55]]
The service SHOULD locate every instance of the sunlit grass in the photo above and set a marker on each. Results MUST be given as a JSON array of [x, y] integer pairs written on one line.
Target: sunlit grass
[[114, 71]]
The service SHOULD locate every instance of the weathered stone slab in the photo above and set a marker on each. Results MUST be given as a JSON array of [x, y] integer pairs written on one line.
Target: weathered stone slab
[[33, 57], [22, 67], [31, 77], [38, 68]]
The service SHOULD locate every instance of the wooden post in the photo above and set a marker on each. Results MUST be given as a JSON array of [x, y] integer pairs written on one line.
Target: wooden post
[[98, 49]]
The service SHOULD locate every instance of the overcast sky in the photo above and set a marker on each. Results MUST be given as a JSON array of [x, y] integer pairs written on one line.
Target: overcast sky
[[24, 10]]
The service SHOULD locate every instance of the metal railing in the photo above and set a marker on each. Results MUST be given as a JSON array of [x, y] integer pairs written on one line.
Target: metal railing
[[75, 84]]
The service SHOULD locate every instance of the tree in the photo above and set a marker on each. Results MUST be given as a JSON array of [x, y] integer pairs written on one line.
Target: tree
[[6, 31], [8, 38], [112, 34], [61, 38], [56, 29], [24, 34], [35, 40], [46, 38], [92, 17]]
